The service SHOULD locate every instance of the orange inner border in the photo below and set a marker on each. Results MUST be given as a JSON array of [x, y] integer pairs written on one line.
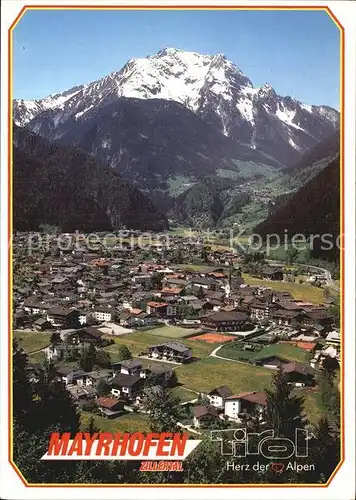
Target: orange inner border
[[342, 217]]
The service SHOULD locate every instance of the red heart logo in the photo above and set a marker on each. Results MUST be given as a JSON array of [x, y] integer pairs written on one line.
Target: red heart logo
[[277, 467]]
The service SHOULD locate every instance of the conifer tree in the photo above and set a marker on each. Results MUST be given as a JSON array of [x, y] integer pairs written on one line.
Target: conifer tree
[[91, 427], [285, 411], [324, 450], [163, 411]]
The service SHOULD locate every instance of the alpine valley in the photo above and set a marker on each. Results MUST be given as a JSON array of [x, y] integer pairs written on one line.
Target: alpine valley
[[192, 133]]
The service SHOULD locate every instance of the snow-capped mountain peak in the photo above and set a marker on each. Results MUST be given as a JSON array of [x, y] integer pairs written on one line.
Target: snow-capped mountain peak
[[211, 86], [266, 91]]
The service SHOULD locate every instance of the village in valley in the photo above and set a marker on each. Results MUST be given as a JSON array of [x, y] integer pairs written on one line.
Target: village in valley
[[210, 324]]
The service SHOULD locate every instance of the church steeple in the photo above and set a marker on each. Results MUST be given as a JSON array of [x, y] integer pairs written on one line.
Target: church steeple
[[230, 273]]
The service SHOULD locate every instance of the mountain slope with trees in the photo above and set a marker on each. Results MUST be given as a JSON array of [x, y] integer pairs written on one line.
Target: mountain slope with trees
[[313, 161], [65, 187], [313, 210]]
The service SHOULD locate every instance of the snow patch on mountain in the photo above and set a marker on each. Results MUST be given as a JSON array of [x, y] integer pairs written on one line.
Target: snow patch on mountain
[[293, 144], [307, 107], [287, 116], [27, 110]]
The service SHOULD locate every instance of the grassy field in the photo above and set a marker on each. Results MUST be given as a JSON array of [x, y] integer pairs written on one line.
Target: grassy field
[[299, 291], [280, 253], [38, 357], [235, 351], [183, 394], [206, 374], [173, 332], [200, 268], [287, 351], [183, 231], [139, 341], [129, 422], [32, 341]]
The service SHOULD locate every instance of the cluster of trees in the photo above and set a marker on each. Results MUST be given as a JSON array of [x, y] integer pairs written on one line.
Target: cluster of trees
[[91, 357], [330, 394], [45, 406], [253, 257], [124, 353], [320, 196], [88, 356]]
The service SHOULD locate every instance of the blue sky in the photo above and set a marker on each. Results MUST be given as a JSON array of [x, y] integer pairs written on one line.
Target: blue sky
[[297, 52]]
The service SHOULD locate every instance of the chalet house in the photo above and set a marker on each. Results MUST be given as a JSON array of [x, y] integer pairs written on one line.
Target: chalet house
[[80, 393], [105, 287], [319, 356], [217, 304], [169, 292], [333, 339], [131, 367], [225, 321], [110, 407], [202, 307], [162, 309], [173, 306], [157, 308], [218, 396], [190, 323], [282, 297], [229, 308], [141, 279], [90, 335], [287, 305], [57, 352], [159, 372], [136, 318], [67, 375], [189, 300], [217, 275], [214, 295], [35, 306], [61, 280], [234, 300], [41, 324], [273, 362], [245, 403], [246, 302], [259, 310], [272, 274], [205, 283], [171, 351], [204, 415], [265, 294], [285, 317], [318, 316], [61, 317], [299, 374], [126, 386], [175, 282], [92, 378], [103, 313]]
